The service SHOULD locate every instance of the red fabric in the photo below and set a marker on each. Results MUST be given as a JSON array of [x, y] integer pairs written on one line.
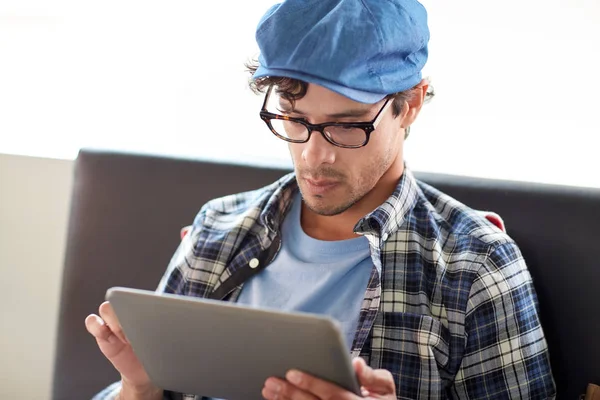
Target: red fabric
[[184, 231], [496, 220]]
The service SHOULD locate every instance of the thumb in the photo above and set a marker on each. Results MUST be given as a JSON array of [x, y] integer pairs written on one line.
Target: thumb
[[378, 381]]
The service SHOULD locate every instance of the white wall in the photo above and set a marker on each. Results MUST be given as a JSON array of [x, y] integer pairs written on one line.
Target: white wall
[[34, 202], [517, 83]]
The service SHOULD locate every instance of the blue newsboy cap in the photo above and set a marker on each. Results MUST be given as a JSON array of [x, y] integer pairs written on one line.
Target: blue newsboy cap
[[361, 49]]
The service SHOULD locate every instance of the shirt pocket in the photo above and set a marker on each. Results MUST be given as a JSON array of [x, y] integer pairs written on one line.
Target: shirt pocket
[[415, 349]]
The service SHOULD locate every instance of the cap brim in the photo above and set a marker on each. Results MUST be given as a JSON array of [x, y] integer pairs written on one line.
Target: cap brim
[[353, 94]]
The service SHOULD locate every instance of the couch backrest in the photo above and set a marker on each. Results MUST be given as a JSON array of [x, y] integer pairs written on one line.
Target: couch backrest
[[127, 211]]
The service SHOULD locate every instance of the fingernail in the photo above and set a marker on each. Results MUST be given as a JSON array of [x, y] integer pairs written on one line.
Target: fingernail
[[294, 376], [273, 386]]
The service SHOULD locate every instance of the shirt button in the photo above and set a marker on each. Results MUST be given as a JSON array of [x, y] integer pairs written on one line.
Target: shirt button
[[269, 222], [384, 237], [254, 263]]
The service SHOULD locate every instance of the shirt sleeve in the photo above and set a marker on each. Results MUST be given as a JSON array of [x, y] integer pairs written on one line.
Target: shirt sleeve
[[109, 393], [173, 280], [506, 354], [112, 391]]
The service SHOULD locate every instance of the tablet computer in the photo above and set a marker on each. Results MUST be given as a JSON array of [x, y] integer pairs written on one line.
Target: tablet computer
[[226, 350]]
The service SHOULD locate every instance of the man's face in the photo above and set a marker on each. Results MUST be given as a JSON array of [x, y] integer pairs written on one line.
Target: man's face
[[333, 179]]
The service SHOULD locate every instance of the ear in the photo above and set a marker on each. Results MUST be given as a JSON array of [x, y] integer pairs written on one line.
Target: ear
[[412, 107]]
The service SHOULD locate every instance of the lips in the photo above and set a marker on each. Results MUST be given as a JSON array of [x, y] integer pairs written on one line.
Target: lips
[[320, 186]]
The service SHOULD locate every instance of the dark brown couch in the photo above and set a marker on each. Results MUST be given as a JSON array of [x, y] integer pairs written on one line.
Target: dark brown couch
[[127, 211]]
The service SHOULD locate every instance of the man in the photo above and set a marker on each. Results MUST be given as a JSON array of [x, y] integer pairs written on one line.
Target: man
[[435, 301]]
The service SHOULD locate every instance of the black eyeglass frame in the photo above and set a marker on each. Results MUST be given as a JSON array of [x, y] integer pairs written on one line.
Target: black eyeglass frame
[[367, 127]]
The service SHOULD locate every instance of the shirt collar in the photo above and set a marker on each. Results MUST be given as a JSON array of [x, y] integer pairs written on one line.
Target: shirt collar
[[281, 199], [389, 216], [383, 221]]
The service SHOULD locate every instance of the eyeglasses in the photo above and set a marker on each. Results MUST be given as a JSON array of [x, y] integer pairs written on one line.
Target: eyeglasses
[[349, 135]]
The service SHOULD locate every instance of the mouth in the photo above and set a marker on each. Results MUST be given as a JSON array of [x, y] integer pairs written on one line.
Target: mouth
[[319, 186]]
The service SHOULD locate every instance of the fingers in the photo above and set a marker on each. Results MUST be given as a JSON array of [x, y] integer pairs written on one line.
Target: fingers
[[97, 327], [110, 318], [300, 386], [107, 331], [113, 344], [279, 389], [378, 381], [358, 364]]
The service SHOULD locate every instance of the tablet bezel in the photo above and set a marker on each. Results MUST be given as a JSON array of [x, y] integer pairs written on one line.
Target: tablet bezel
[[231, 348]]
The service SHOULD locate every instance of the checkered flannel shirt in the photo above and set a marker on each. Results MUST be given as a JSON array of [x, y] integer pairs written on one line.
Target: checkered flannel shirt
[[452, 315]]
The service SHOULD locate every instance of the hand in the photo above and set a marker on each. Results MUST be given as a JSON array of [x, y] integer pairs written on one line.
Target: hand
[[114, 345], [375, 384]]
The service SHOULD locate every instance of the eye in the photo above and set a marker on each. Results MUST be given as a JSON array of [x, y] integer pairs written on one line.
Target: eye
[[341, 128]]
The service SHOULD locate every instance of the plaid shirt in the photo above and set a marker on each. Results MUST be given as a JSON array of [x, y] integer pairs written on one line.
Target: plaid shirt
[[452, 315]]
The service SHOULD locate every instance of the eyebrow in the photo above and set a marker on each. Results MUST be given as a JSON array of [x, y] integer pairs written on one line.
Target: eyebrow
[[344, 114]]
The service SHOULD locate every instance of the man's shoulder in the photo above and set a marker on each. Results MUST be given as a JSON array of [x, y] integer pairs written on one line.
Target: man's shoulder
[[253, 201], [453, 220], [465, 248], [456, 237]]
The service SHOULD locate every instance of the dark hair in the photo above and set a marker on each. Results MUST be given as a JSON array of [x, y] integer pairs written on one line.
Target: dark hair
[[294, 89]]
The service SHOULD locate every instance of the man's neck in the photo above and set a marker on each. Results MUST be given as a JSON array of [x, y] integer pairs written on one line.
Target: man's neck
[[341, 226]]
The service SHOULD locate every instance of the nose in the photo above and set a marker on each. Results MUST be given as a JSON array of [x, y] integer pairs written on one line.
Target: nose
[[318, 151]]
